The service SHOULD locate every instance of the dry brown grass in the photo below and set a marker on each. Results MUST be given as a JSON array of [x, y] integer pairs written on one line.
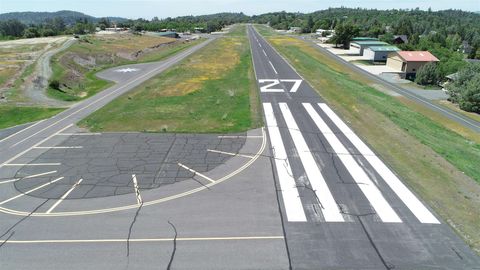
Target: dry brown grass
[[14, 58], [210, 65]]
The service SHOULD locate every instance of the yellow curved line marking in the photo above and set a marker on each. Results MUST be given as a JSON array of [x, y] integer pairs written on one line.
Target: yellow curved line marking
[[134, 206]]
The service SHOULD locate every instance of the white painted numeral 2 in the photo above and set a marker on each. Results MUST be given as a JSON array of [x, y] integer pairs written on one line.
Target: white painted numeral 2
[[272, 82]]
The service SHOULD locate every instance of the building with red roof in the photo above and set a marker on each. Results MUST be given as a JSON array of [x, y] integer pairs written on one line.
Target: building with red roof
[[409, 62]]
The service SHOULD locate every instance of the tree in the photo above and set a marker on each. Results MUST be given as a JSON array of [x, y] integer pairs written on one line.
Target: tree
[[465, 90], [310, 24], [428, 75], [12, 28], [344, 33], [104, 23]]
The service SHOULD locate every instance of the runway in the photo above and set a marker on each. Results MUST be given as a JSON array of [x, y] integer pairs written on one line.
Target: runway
[[342, 207], [303, 192]]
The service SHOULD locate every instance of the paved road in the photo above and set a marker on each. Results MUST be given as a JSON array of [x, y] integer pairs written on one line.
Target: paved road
[[36, 90], [342, 207], [455, 116]]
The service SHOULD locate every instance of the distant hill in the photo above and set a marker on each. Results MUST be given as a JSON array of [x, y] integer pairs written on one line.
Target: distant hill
[[69, 17]]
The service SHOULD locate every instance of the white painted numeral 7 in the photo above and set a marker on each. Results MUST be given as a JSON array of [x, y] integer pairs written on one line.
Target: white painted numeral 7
[[266, 88], [272, 82]]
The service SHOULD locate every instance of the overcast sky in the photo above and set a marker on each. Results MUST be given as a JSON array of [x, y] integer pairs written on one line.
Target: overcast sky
[[171, 8]]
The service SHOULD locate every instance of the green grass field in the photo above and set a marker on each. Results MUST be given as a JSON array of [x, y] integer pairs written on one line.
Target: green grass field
[[11, 116], [79, 82], [212, 91], [437, 162]]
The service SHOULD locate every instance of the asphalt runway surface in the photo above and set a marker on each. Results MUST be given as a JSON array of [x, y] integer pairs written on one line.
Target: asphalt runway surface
[[342, 207], [302, 193]]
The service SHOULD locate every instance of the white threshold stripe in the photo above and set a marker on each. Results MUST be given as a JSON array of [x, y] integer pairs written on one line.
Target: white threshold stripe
[[25, 129], [273, 67], [330, 209], [196, 173], [32, 164], [406, 196], [79, 241], [27, 177], [228, 153], [79, 134], [137, 191], [366, 185], [291, 199], [30, 191], [58, 147], [64, 196]]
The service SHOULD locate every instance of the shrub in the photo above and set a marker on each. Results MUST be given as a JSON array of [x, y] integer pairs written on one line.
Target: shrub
[[428, 75]]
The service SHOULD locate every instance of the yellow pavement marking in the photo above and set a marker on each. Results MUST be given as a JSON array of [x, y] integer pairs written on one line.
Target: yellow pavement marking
[[153, 202], [76, 241]]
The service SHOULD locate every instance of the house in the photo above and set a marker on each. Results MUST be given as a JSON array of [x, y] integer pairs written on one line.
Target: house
[[357, 47], [465, 47], [400, 39], [167, 34], [409, 62], [325, 32], [379, 53], [364, 39]]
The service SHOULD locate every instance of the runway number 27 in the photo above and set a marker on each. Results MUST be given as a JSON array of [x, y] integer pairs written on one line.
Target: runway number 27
[[273, 82]]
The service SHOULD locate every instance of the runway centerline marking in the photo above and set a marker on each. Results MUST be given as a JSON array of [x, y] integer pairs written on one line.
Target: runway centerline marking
[[228, 153], [330, 209], [264, 53], [139, 240], [27, 177], [137, 191], [291, 199], [30, 191], [406, 196], [64, 196], [20, 131], [366, 185], [273, 67], [196, 173]]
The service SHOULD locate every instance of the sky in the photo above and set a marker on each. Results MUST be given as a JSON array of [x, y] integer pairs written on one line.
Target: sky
[[172, 8]]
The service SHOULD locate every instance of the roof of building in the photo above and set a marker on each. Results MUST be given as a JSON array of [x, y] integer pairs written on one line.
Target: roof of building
[[472, 60], [363, 38], [165, 33], [384, 48], [417, 56], [404, 38], [371, 42]]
